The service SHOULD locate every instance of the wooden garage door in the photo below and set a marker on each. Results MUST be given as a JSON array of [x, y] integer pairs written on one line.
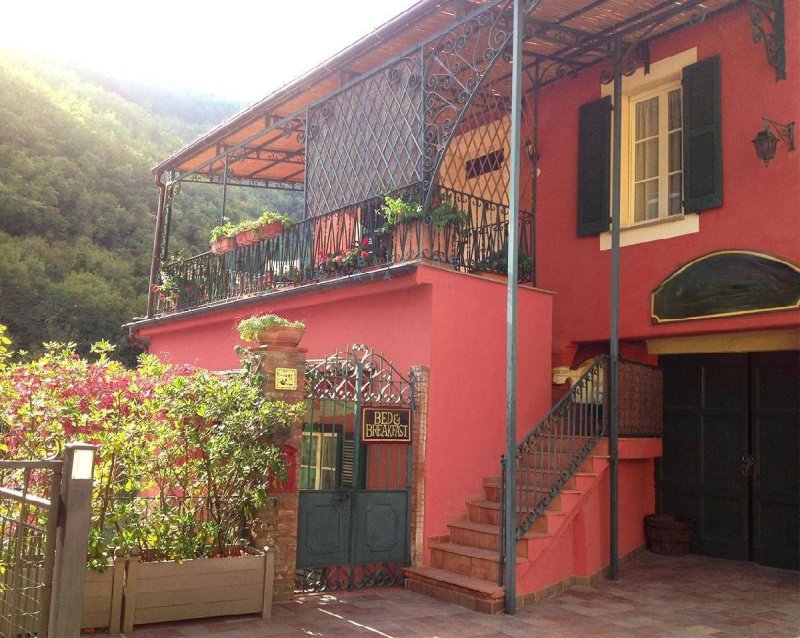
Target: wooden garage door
[[731, 450]]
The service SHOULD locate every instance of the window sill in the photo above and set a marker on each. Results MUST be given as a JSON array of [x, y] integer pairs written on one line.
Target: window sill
[[654, 230]]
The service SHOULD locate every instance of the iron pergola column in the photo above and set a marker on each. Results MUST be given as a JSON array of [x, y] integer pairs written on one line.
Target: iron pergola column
[[511, 315], [155, 263], [613, 417]]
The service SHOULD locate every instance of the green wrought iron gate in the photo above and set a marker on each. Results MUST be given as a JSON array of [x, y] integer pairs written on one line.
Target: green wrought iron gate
[[355, 473]]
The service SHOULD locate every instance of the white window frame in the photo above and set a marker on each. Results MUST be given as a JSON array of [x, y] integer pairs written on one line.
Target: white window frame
[[324, 440], [664, 72], [662, 93]]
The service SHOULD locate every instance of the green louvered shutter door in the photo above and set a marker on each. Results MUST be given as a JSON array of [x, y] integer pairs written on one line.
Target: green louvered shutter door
[[702, 136], [594, 167]]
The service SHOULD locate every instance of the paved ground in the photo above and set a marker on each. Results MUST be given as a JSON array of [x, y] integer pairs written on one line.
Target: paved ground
[[656, 596]]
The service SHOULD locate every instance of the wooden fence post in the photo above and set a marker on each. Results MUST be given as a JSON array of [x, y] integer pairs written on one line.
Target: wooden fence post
[[72, 541]]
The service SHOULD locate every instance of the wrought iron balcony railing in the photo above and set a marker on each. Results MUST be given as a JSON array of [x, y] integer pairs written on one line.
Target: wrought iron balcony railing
[[351, 239]]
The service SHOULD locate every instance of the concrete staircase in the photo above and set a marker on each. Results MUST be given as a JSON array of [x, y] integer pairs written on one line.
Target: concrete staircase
[[464, 567]]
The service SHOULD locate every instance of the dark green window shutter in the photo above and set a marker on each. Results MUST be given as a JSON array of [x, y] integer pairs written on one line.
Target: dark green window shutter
[[702, 136], [594, 167], [347, 461]]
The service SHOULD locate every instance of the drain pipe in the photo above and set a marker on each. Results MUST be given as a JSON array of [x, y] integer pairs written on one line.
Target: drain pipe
[[155, 263]]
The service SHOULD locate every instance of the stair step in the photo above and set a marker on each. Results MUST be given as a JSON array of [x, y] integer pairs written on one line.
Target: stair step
[[472, 552], [487, 536], [481, 595], [469, 561], [487, 588]]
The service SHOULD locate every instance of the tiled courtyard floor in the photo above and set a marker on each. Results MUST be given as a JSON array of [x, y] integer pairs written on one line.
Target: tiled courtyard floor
[[655, 596]]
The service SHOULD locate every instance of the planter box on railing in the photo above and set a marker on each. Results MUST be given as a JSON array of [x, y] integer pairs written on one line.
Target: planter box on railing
[[200, 588]]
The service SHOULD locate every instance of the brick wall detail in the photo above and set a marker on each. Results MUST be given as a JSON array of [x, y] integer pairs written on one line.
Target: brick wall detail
[[641, 400], [278, 520]]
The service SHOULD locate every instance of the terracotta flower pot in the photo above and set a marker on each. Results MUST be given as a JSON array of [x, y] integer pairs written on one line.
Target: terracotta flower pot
[[268, 231], [223, 245], [247, 238], [281, 336]]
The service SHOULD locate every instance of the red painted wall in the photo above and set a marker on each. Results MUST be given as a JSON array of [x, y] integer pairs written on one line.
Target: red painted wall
[[453, 322], [761, 205], [392, 316], [466, 405]]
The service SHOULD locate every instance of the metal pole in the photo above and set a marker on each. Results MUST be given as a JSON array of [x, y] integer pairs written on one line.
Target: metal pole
[[224, 191], [511, 315], [613, 423], [72, 541], [156, 261]]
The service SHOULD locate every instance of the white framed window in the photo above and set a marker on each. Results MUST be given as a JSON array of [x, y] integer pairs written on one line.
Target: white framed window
[[319, 460], [656, 155], [664, 77]]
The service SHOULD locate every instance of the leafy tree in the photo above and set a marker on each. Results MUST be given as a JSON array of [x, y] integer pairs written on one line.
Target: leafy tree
[[77, 199], [183, 455]]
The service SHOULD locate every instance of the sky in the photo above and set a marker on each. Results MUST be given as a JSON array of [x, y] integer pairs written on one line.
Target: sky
[[237, 51]]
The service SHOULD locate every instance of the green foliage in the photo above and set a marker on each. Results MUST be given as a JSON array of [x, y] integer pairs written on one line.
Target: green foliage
[[397, 210], [77, 200], [5, 342], [268, 217], [250, 328], [184, 456], [229, 230], [448, 216], [225, 230], [498, 263]]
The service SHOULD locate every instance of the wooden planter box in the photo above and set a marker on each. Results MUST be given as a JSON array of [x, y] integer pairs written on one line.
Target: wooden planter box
[[202, 588], [102, 599]]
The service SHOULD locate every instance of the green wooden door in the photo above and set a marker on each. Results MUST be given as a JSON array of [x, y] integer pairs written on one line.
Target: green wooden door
[[775, 421], [705, 438], [730, 459]]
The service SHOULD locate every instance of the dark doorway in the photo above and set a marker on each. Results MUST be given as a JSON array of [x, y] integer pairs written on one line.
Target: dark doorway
[[731, 459]]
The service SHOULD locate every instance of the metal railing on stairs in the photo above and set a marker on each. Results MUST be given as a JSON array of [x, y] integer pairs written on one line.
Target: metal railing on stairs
[[552, 452]]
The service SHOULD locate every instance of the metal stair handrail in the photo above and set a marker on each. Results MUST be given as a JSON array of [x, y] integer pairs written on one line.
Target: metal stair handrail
[[555, 448]]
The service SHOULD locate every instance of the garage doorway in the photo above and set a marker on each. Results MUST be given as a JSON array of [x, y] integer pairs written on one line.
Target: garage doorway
[[731, 459]]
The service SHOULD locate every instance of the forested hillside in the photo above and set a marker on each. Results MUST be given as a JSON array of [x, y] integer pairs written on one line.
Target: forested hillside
[[77, 199]]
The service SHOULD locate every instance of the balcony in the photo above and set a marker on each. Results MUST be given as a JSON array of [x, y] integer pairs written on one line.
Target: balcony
[[352, 239]]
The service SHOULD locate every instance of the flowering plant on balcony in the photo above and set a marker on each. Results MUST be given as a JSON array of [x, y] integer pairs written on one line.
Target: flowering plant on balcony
[[169, 288], [356, 256]]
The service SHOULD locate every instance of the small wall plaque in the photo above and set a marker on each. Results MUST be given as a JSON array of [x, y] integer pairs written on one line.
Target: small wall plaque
[[286, 378]]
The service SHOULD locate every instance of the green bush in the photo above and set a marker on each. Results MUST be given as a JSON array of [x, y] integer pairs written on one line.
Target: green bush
[[184, 458]]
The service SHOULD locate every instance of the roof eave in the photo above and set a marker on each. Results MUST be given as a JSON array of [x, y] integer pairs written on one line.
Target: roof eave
[[292, 88]]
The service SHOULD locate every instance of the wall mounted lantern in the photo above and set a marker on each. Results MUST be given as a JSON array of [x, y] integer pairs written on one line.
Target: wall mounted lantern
[[766, 141]]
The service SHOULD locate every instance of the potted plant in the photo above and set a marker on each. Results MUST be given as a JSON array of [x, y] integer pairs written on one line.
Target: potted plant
[[449, 224], [267, 226], [222, 238], [409, 238], [397, 210], [271, 225], [446, 215], [246, 234], [271, 330]]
